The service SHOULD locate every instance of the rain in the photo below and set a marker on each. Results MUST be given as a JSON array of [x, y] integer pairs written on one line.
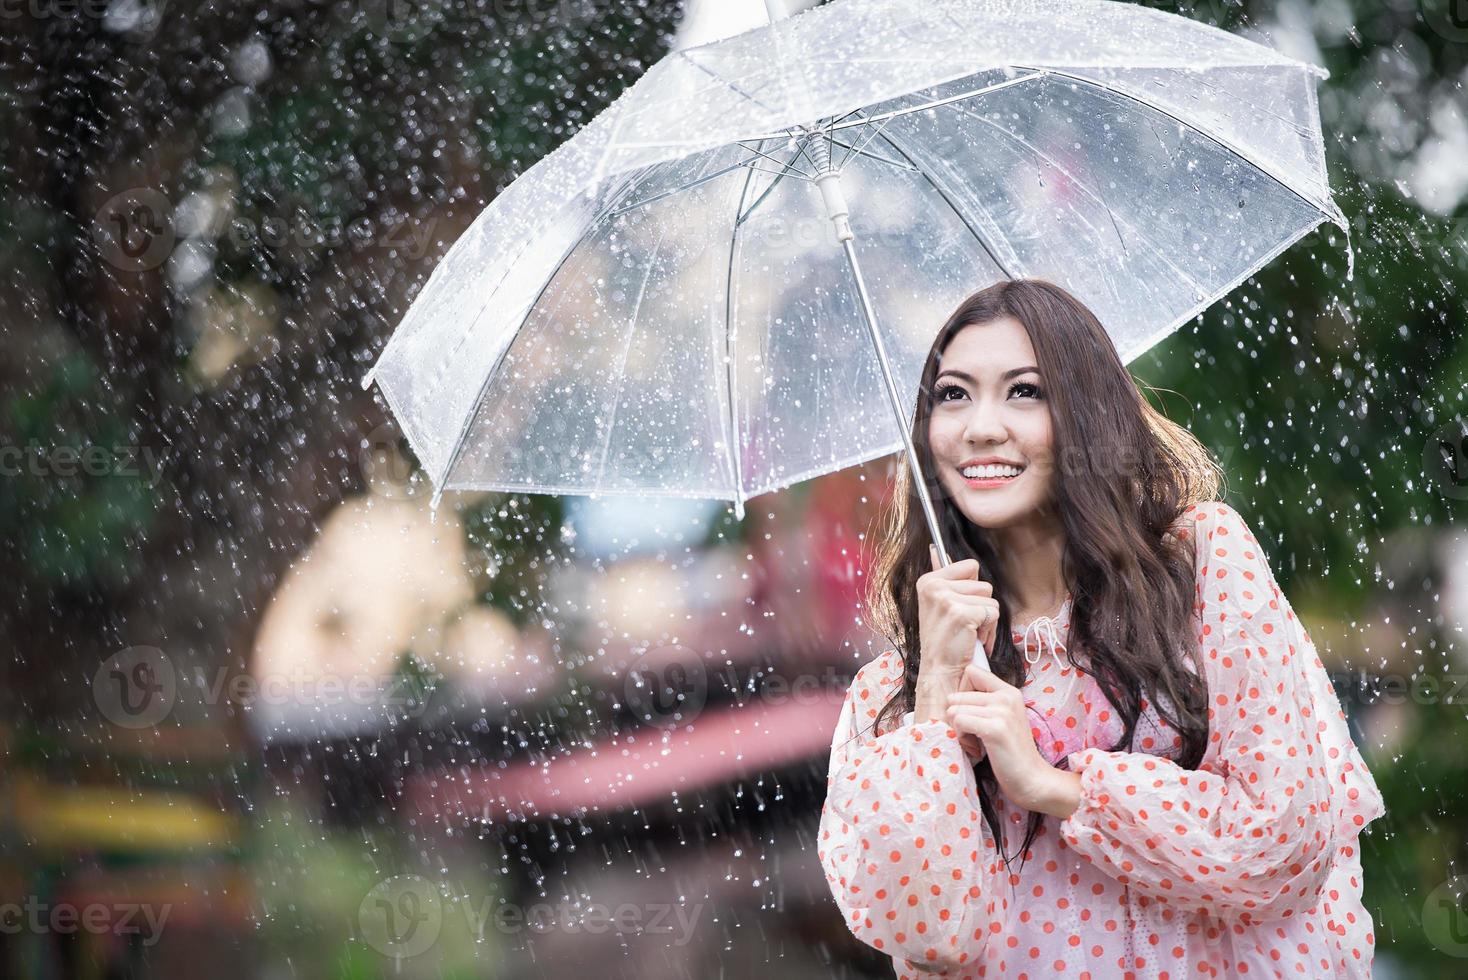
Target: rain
[[440, 487]]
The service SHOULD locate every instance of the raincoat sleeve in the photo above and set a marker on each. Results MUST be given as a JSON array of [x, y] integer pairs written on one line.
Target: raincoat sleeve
[[1282, 792], [901, 840]]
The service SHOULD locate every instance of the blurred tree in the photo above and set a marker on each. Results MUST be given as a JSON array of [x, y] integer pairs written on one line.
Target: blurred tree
[[221, 214]]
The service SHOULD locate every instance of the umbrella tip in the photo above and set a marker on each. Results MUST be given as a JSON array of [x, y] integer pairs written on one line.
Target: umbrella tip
[[739, 508], [367, 378]]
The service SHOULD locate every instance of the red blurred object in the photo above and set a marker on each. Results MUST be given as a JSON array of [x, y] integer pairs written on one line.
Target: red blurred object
[[836, 520], [640, 767]]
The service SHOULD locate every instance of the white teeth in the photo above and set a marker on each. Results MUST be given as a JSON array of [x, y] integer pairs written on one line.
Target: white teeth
[[990, 471]]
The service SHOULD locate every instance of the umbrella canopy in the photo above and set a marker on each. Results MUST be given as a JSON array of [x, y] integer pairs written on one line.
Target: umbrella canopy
[[662, 305]]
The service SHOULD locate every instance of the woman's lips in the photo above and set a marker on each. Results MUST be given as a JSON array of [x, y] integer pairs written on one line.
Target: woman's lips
[[990, 482]]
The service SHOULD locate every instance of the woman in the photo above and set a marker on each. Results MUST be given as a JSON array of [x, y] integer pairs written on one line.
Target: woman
[[1156, 780]]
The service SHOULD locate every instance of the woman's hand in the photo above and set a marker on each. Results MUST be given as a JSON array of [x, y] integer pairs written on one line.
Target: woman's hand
[[994, 711], [955, 607], [972, 747]]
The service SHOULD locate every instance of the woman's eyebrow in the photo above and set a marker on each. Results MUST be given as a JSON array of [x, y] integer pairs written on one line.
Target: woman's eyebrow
[[1011, 373]]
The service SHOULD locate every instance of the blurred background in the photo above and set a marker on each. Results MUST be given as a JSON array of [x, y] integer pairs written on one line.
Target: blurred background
[[263, 715]]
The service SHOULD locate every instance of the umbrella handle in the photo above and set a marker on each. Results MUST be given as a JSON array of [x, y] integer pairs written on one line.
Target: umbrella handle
[[981, 657]]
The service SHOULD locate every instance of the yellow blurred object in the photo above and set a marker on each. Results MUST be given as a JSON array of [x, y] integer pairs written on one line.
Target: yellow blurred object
[[114, 818]]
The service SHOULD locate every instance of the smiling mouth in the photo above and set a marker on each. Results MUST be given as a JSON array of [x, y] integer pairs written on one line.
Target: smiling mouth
[[989, 477]]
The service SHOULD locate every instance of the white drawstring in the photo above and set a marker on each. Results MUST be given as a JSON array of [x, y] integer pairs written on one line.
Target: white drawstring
[[1044, 626]]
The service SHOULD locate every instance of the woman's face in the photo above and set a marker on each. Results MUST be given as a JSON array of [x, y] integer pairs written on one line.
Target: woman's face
[[989, 404]]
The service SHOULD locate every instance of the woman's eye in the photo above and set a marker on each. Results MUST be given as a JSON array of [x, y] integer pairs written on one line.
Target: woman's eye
[[942, 392], [1030, 386]]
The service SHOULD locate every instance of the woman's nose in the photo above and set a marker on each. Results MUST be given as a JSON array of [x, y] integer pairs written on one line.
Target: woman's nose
[[984, 425]]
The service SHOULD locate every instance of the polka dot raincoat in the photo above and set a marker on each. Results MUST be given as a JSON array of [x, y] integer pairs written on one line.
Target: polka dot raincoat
[[1248, 866]]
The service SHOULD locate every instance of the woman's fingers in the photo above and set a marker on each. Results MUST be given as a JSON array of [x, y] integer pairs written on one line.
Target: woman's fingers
[[982, 680], [970, 587], [975, 722], [973, 698], [964, 569], [972, 746]]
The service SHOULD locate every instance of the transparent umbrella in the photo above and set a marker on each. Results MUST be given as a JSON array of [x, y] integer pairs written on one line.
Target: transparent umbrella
[[727, 281]]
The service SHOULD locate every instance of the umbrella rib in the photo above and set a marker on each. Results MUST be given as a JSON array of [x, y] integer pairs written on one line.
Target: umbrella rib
[[938, 103], [462, 438], [741, 164], [744, 215], [1195, 127], [908, 110], [731, 351], [741, 218], [1085, 189], [724, 81], [697, 181], [865, 140], [947, 199], [871, 156], [784, 164], [606, 443]]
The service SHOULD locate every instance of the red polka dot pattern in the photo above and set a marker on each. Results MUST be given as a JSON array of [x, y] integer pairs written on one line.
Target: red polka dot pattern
[[1248, 866]]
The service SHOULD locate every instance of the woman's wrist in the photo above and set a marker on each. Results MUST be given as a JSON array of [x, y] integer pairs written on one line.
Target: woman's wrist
[[1057, 793], [930, 701]]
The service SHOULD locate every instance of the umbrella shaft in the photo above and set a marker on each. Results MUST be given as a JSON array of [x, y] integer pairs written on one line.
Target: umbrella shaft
[[919, 483]]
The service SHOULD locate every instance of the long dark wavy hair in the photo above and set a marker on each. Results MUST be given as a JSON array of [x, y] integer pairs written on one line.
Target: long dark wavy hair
[[1123, 477]]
